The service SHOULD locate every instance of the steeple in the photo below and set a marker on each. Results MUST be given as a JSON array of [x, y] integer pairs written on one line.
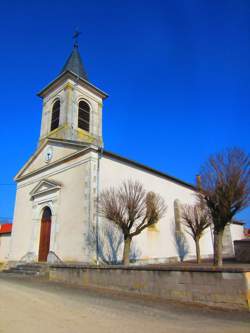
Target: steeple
[[74, 64], [72, 106]]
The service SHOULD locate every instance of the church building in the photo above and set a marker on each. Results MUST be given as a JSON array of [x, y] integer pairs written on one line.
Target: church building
[[57, 188]]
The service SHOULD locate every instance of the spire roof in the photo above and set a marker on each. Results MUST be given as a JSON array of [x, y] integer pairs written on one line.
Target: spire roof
[[74, 64]]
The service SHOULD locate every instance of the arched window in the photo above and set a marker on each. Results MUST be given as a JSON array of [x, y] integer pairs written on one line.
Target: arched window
[[55, 115], [83, 116]]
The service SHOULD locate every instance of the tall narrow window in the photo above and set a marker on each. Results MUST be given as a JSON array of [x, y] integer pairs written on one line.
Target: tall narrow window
[[55, 115], [83, 116]]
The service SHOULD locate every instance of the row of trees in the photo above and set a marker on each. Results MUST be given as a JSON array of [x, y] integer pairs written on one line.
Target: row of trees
[[223, 190]]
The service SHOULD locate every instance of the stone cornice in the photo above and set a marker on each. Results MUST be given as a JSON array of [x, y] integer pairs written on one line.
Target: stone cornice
[[70, 75], [50, 186], [84, 150]]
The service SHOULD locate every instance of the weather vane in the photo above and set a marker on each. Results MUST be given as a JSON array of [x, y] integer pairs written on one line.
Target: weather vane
[[76, 34]]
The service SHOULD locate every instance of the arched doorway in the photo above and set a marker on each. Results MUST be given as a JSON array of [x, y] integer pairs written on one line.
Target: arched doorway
[[45, 235]]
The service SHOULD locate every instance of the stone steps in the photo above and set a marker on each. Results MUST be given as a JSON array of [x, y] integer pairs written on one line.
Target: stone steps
[[28, 270]]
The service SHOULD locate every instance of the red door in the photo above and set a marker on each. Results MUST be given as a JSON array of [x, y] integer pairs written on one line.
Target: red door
[[45, 235]]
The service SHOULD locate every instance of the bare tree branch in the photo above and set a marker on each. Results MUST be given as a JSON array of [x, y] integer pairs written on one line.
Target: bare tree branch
[[197, 219], [225, 186], [225, 182]]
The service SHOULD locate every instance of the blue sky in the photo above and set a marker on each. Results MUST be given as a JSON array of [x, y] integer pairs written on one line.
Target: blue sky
[[177, 73]]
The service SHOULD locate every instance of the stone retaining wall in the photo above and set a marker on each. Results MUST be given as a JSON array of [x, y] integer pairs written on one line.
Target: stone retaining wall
[[222, 288]]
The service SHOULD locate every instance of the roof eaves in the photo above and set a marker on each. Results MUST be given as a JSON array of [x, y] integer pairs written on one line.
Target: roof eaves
[[41, 92], [21, 177]]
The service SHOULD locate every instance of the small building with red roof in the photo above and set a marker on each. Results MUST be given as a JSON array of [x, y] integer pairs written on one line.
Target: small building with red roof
[[5, 236], [247, 232]]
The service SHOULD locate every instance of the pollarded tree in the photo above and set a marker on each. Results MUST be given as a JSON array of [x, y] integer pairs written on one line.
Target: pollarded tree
[[132, 209], [197, 219], [225, 185]]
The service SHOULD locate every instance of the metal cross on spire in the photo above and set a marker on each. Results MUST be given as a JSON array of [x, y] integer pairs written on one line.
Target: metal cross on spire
[[76, 34]]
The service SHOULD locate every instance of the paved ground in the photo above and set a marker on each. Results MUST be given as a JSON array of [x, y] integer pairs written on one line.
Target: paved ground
[[32, 306]]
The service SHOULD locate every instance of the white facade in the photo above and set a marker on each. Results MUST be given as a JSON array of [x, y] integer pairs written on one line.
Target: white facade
[[69, 186], [4, 246], [64, 188], [68, 182]]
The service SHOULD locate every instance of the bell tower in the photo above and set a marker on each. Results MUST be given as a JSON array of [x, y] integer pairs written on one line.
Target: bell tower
[[72, 106]]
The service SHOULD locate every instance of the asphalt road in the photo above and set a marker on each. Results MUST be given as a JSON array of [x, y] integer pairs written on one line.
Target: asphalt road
[[32, 306]]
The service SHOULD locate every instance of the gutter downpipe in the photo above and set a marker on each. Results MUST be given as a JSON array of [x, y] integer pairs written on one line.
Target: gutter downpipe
[[100, 154]]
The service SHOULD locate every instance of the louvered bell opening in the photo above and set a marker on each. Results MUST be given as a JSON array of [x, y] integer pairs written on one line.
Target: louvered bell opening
[[83, 116], [55, 116]]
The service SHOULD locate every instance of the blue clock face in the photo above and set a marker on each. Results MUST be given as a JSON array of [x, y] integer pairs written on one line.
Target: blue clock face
[[48, 154]]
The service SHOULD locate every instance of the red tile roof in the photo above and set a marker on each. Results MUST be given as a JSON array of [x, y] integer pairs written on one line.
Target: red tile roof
[[5, 228], [247, 232]]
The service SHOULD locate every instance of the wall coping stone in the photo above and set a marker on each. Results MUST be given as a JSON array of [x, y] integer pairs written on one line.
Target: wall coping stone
[[188, 268], [242, 240]]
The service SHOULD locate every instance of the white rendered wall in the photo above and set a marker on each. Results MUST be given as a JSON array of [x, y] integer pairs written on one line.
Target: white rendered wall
[[159, 242], [237, 231], [4, 246]]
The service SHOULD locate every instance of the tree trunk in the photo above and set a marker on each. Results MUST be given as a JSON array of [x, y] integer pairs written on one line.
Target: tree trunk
[[126, 250], [218, 247], [198, 252]]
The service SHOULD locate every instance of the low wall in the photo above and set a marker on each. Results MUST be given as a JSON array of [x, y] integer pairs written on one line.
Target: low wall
[[222, 288]]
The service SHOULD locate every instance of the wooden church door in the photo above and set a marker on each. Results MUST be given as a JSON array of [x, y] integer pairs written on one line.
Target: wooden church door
[[45, 235]]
